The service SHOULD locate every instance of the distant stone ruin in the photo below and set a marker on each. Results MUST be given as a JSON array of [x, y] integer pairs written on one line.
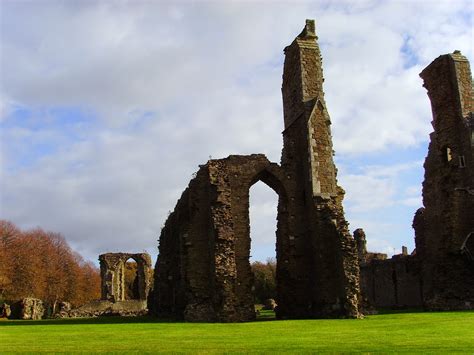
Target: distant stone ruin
[[439, 275], [27, 308], [113, 288], [112, 273], [203, 271]]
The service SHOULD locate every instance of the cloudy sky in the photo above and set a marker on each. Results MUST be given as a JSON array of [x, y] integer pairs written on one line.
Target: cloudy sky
[[108, 108]]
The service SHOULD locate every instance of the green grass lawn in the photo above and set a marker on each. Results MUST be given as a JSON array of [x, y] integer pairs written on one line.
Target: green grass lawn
[[444, 332]]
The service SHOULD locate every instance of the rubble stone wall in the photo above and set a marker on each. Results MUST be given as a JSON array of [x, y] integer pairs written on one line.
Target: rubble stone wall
[[28, 308], [440, 274], [203, 271], [184, 267], [113, 275], [392, 283], [448, 189], [327, 267]]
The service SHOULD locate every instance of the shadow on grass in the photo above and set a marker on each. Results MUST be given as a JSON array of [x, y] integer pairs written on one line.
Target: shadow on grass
[[400, 310], [267, 316], [96, 320]]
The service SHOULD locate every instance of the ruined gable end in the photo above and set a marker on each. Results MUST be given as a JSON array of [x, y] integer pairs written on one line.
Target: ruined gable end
[[203, 271]]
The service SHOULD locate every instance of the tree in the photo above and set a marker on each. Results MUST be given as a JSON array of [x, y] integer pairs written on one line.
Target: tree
[[41, 264], [8, 235], [264, 280]]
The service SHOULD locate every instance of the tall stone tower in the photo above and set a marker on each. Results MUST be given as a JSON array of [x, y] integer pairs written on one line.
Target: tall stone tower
[[320, 242], [445, 227]]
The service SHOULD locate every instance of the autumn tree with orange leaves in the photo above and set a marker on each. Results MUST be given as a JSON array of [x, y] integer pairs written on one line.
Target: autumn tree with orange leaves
[[41, 264]]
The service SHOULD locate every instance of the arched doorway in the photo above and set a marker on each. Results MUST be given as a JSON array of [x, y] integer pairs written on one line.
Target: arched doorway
[[263, 203], [271, 184]]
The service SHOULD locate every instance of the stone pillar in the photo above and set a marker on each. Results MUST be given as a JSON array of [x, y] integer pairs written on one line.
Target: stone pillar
[[361, 244]]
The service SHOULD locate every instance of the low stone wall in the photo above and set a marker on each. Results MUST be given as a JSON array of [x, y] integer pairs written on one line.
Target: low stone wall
[[28, 308], [107, 308], [392, 283]]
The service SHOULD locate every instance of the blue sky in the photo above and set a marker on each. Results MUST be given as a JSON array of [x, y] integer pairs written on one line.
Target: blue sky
[[108, 108]]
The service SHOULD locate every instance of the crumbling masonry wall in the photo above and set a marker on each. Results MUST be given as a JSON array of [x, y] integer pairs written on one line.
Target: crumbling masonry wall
[[112, 275], [388, 283], [328, 268], [203, 262], [113, 300], [442, 227], [203, 270], [440, 273], [392, 283]]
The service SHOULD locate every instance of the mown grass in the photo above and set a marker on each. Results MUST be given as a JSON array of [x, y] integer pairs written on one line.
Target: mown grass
[[444, 332]]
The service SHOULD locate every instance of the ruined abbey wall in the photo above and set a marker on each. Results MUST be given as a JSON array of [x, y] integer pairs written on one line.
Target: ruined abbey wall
[[112, 274], [183, 268], [392, 283], [203, 271], [448, 189], [328, 250], [388, 283], [440, 274]]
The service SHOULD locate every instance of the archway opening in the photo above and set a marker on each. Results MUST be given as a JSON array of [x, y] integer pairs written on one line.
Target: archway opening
[[131, 280], [263, 204]]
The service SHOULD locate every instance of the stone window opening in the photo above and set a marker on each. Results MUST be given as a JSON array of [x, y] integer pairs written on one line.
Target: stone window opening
[[263, 201], [462, 161], [448, 154], [130, 280]]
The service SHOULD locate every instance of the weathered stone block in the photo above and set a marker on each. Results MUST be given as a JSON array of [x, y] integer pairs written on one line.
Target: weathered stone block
[[28, 308]]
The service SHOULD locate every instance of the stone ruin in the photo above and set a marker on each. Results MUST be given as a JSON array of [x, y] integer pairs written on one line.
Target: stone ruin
[[203, 272], [112, 274], [439, 275], [113, 288], [26, 308], [5, 310], [113, 293], [388, 283]]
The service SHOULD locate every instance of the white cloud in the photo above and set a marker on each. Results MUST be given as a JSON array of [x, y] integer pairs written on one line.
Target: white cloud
[[378, 186], [380, 199], [208, 75], [367, 193]]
